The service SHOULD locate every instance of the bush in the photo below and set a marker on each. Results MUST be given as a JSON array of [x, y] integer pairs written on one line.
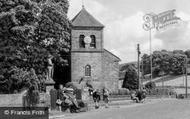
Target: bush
[[161, 91], [150, 85], [33, 97], [130, 81], [18, 79], [180, 96]]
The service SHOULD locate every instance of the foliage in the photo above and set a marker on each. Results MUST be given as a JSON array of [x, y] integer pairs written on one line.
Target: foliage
[[130, 81], [161, 91], [164, 62], [145, 64], [187, 52], [178, 64], [33, 96], [30, 30], [19, 79], [5, 85], [150, 85]]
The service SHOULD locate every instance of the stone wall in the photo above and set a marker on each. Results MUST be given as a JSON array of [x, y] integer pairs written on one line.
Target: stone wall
[[110, 71], [104, 65], [17, 100], [80, 60], [75, 39], [80, 57], [11, 100]]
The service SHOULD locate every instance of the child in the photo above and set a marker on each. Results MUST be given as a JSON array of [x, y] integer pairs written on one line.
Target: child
[[105, 96], [96, 98]]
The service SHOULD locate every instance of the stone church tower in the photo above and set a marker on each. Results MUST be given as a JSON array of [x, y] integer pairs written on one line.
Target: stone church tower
[[87, 49]]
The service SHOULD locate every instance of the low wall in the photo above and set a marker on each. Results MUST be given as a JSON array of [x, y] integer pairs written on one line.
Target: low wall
[[10, 100], [16, 100]]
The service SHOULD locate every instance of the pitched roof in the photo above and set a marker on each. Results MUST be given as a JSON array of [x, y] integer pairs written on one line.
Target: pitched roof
[[116, 57], [85, 19]]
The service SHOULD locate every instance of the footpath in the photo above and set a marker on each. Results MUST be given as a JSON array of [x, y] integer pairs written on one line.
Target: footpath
[[112, 104]]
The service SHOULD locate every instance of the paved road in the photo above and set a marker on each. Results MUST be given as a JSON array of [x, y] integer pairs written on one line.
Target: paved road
[[160, 109]]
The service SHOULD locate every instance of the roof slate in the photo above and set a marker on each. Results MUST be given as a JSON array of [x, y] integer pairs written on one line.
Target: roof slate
[[85, 19]]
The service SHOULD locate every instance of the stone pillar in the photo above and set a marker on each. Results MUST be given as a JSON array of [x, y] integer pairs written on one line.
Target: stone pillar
[[53, 98], [50, 91]]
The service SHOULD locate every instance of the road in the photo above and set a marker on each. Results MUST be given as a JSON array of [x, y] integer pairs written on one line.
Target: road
[[161, 109]]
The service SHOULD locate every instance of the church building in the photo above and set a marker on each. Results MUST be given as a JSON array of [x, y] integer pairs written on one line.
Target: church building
[[89, 59]]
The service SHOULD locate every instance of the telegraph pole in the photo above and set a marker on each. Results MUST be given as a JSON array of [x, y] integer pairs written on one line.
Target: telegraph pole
[[138, 65], [186, 85], [150, 38]]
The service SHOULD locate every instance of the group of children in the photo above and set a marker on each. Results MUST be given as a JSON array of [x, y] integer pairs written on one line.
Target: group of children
[[66, 98], [138, 96], [96, 94]]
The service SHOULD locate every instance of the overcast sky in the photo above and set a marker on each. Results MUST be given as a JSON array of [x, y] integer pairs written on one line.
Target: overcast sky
[[123, 20]]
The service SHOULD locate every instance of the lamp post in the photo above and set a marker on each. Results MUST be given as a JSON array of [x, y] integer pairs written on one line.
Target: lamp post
[[138, 65], [150, 38], [158, 21], [148, 26]]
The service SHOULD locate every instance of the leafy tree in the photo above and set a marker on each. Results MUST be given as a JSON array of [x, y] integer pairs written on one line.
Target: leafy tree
[[30, 30], [130, 81], [146, 64], [178, 52], [187, 52], [177, 64], [161, 62], [19, 79], [165, 62]]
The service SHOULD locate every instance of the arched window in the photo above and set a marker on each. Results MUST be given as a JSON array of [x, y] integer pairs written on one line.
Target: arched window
[[81, 41], [87, 70], [93, 41]]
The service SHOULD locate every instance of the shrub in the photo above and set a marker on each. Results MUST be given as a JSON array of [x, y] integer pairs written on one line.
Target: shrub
[[130, 81], [33, 96], [18, 79], [150, 85], [180, 96]]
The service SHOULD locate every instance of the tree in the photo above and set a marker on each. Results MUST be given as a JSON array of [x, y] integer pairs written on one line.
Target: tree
[[29, 31], [187, 52], [130, 81], [161, 62], [146, 64], [178, 64], [165, 62], [178, 52]]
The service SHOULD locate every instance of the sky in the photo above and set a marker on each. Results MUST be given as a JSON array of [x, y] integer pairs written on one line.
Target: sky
[[123, 20]]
